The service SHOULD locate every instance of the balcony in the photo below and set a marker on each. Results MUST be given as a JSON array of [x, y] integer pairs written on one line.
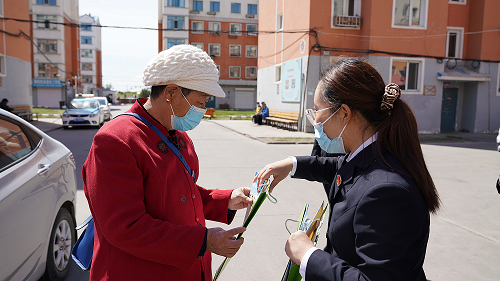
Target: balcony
[[346, 21]]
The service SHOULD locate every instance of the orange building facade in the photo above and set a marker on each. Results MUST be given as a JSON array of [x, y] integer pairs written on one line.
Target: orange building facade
[[15, 54], [443, 53], [227, 31]]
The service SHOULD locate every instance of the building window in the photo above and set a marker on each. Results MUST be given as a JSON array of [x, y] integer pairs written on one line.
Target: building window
[[252, 9], [454, 43], [86, 27], [175, 3], [235, 50], [235, 8], [279, 22], [175, 22], [47, 46], [214, 49], [86, 53], [198, 45], [47, 22], [457, 2], [346, 7], [218, 69], [198, 6], [407, 74], [409, 13], [48, 70], [251, 72], [251, 51], [234, 72], [46, 2], [2, 66], [214, 6], [235, 29], [87, 79], [197, 27], [86, 39], [173, 42], [277, 74], [214, 27], [251, 30], [86, 66]]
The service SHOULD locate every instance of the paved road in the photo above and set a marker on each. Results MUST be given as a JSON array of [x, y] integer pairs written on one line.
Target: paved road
[[465, 235]]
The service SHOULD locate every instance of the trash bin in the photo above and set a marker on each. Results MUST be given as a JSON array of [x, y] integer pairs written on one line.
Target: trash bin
[[61, 104]]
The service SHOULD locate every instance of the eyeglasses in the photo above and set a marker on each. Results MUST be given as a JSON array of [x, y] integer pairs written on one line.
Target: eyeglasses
[[311, 114]]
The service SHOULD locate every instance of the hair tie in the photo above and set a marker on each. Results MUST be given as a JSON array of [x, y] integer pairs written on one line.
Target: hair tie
[[392, 93]]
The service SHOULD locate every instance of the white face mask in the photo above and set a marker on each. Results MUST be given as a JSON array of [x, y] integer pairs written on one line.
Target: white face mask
[[190, 120]]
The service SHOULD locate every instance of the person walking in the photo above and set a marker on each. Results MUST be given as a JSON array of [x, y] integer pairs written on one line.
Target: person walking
[[149, 213], [381, 193]]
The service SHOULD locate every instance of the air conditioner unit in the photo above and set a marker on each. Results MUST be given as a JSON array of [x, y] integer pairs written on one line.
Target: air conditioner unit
[[211, 13], [251, 16]]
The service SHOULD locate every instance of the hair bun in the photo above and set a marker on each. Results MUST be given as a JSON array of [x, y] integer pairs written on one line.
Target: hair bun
[[392, 93]]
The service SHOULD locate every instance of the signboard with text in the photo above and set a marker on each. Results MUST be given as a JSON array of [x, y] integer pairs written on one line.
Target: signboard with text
[[47, 82], [291, 80]]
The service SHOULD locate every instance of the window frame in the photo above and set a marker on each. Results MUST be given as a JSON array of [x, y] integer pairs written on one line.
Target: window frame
[[460, 41], [88, 27], [48, 2], [233, 4], [277, 81], [235, 33], [51, 23], [169, 19], [86, 41], [43, 49], [214, 31], [246, 72], [202, 45], [246, 51], [3, 69], [51, 75], [197, 31], [200, 1], [251, 33], [239, 71], [182, 3], [424, 8], [279, 22], [234, 45], [256, 9], [91, 79], [90, 51], [214, 44], [420, 77], [91, 66], [459, 2], [176, 42], [218, 6]]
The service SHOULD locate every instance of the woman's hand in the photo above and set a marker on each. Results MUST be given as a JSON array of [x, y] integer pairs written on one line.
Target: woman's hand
[[240, 199], [279, 170], [297, 246]]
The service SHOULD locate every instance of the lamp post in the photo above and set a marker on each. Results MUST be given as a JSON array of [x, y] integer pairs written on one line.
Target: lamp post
[[75, 86]]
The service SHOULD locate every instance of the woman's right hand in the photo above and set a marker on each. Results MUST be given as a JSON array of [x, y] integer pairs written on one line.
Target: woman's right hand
[[279, 170]]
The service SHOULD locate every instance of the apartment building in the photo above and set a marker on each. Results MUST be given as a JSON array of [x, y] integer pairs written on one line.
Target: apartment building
[[227, 31], [91, 56], [15, 53], [442, 53], [56, 56]]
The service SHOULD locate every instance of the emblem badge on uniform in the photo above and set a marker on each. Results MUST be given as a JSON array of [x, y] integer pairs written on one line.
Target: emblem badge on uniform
[[182, 143], [339, 180], [183, 199], [162, 147]]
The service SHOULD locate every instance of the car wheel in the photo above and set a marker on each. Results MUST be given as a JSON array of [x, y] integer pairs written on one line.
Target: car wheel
[[65, 127], [61, 242], [498, 148]]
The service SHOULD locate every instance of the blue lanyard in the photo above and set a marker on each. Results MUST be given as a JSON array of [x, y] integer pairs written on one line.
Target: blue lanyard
[[165, 140]]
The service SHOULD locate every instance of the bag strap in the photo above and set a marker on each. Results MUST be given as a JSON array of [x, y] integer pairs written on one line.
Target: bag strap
[[165, 140]]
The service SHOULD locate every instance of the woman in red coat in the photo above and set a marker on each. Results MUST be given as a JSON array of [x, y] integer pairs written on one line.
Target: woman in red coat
[[148, 211]]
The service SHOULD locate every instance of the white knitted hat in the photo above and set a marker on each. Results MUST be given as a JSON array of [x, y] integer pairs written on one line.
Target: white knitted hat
[[186, 66]]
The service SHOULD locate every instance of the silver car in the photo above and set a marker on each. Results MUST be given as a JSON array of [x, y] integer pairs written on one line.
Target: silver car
[[104, 105], [37, 202]]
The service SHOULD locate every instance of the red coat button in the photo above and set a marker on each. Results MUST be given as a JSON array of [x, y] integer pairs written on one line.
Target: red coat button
[[193, 196], [197, 219]]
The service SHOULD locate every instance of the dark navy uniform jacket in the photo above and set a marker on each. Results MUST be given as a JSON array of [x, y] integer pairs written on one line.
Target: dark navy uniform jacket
[[378, 224]]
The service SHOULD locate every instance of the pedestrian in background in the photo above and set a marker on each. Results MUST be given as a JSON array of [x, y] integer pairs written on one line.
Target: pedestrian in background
[[258, 110], [4, 106], [382, 193], [149, 213], [262, 115]]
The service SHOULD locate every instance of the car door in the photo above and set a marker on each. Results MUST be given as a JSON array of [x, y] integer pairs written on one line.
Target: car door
[[27, 200]]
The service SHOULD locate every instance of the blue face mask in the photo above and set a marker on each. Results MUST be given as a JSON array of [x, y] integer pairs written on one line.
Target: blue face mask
[[331, 146], [190, 120]]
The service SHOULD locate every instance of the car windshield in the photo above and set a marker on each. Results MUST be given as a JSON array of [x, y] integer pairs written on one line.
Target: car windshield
[[80, 104], [102, 101]]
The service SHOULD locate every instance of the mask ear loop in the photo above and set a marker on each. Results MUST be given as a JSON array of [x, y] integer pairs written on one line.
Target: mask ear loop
[[343, 129]]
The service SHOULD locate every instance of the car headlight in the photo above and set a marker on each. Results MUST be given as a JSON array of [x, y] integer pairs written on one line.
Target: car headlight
[[93, 115], [65, 114]]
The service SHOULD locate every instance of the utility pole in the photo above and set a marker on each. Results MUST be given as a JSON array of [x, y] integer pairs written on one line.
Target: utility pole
[[75, 86]]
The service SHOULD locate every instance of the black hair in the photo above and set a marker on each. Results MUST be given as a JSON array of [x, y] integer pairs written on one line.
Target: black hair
[[157, 90]]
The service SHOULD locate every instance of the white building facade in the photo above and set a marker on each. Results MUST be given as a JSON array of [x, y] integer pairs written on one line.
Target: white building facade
[[90, 51]]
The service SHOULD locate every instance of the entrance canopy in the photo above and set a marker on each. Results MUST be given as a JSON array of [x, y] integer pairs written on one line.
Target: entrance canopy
[[462, 73]]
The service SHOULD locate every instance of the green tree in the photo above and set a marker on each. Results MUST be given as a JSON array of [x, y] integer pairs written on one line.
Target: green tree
[[108, 86], [144, 93]]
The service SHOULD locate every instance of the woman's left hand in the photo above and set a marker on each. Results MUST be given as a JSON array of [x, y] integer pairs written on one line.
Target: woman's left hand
[[240, 198], [297, 246]]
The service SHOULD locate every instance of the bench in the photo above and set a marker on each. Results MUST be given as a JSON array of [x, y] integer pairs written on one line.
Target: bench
[[283, 119], [23, 111]]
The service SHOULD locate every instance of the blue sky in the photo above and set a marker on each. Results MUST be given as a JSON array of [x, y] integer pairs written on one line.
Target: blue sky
[[125, 52]]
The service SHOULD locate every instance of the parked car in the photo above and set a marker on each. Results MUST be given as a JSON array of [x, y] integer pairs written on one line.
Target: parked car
[[83, 112], [37, 202], [103, 101]]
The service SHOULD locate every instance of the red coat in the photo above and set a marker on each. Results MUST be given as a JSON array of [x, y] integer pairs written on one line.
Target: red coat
[[149, 215]]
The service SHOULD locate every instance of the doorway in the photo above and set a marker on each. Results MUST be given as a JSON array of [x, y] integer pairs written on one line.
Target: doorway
[[449, 109], [211, 102]]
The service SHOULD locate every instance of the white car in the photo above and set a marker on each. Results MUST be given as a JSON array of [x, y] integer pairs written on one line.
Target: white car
[[105, 107], [37, 202], [83, 112]]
